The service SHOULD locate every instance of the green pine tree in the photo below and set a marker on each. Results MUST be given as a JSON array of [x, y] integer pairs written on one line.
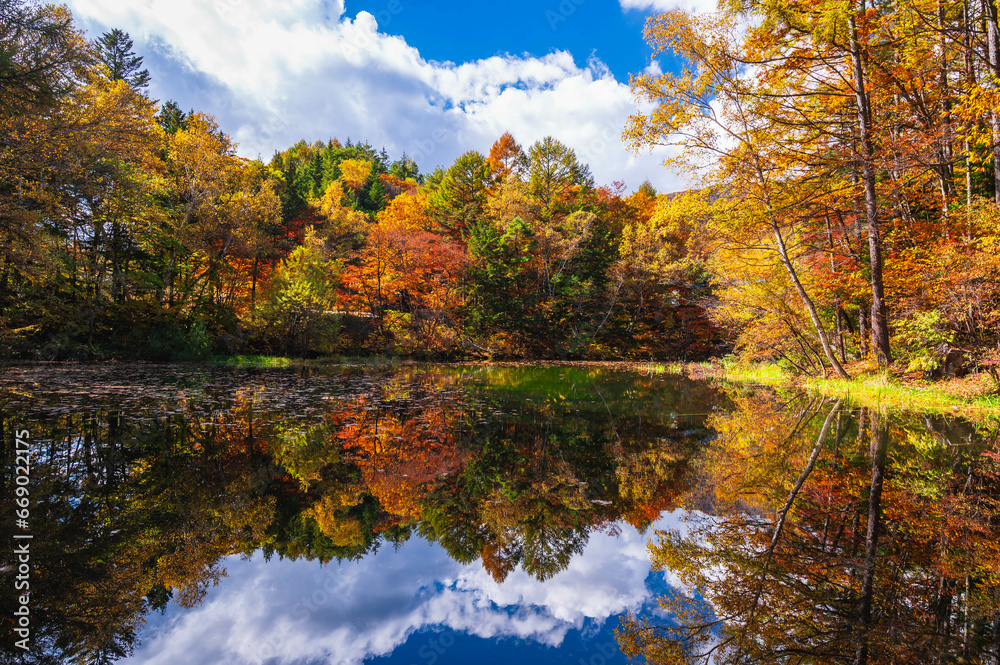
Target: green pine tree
[[114, 50]]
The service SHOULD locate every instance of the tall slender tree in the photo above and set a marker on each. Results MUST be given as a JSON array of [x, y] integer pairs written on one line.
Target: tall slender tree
[[114, 50]]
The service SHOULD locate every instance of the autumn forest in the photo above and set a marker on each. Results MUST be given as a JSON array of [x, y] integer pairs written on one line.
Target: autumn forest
[[298, 492], [132, 230], [843, 207]]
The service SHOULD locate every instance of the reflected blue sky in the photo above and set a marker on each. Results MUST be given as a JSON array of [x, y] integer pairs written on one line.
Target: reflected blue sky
[[414, 605]]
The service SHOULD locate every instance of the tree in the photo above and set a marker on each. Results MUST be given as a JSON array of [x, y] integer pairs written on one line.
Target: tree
[[507, 159], [718, 114], [555, 180], [344, 227], [119, 61], [171, 118], [301, 292], [661, 275], [354, 173], [200, 164], [459, 198], [555, 176], [501, 302], [405, 169], [41, 55]]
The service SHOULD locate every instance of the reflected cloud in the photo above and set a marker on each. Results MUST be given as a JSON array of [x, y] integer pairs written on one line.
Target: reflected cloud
[[297, 612]]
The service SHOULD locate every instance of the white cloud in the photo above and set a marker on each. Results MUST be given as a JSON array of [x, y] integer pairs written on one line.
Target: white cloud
[[276, 72], [295, 611], [653, 68], [667, 5]]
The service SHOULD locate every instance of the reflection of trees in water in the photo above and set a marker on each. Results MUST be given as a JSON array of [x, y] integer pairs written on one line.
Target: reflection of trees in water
[[508, 478], [139, 514], [123, 519], [838, 538]]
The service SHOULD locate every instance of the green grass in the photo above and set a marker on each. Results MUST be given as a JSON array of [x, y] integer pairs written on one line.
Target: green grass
[[758, 373], [880, 390], [280, 361], [884, 391], [253, 361], [651, 368]]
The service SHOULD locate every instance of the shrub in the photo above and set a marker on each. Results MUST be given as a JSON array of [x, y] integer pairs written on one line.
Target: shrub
[[919, 337]]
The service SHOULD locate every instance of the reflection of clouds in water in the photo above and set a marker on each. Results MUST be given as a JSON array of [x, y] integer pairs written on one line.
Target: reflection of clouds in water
[[301, 612]]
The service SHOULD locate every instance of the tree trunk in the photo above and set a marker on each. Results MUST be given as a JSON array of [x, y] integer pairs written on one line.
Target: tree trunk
[[836, 305], [993, 55], [253, 287], [863, 329], [879, 322], [807, 301], [169, 277], [946, 172]]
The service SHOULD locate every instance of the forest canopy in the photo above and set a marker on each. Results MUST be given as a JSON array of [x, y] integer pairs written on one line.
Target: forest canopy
[[848, 154], [845, 209]]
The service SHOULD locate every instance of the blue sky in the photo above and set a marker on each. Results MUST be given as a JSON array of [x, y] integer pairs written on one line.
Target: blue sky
[[431, 78], [453, 30]]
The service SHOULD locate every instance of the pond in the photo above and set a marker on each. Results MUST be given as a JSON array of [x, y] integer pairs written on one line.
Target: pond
[[450, 514]]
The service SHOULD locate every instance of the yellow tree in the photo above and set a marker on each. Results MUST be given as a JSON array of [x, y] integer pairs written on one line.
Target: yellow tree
[[113, 140], [234, 234], [718, 113], [354, 173], [226, 202], [200, 165], [344, 227]]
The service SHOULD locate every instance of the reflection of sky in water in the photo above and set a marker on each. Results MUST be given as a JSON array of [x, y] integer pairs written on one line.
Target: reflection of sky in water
[[415, 605]]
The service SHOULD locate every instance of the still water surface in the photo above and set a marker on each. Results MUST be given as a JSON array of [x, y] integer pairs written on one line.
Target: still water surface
[[186, 514]]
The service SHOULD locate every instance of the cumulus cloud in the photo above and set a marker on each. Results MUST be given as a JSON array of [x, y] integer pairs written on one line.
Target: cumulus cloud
[[276, 72], [295, 611]]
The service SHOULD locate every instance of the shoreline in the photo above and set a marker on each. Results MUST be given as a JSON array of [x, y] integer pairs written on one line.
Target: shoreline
[[971, 395]]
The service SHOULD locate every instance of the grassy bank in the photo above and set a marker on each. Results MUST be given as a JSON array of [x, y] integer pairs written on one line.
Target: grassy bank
[[280, 361], [868, 386]]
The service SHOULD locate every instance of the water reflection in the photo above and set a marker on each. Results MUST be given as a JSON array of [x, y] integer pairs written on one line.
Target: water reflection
[[835, 536], [148, 480], [416, 598]]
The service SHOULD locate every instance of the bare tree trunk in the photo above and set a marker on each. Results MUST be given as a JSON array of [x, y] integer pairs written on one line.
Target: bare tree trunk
[[970, 79], [946, 172], [880, 323], [836, 305], [863, 329], [810, 306], [253, 286], [993, 55], [169, 276]]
